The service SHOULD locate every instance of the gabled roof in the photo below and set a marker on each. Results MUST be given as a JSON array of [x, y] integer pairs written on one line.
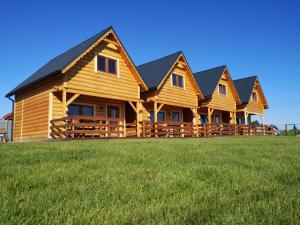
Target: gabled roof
[[208, 80], [244, 87], [154, 72], [61, 62]]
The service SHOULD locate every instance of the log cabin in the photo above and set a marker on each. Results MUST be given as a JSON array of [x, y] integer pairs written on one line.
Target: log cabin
[[173, 92], [253, 101], [220, 96], [94, 83]]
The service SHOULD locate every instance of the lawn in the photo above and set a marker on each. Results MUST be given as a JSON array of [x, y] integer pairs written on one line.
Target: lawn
[[235, 180]]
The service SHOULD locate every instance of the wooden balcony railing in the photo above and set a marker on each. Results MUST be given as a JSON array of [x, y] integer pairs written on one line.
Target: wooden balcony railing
[[167, 129], [87, 127], [104, 127], [227, 129]]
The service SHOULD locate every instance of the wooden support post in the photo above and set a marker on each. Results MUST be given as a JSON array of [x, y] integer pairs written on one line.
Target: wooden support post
[[72, 99], [262, 119], [195, 121], [246, 117], [233, 117], [210, 112], [155, 118], [124, 129], [64, 102], [138, 129]]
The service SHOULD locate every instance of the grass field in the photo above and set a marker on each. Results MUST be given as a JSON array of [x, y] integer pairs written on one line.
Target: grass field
[[241, 180]]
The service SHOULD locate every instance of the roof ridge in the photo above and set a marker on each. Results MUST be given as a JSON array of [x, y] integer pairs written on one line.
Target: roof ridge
[[160, 58], [211, 69]]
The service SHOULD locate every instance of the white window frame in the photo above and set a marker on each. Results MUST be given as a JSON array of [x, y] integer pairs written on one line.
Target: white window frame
[[253, 100], [226, 89], [110, 57], [183, 80]]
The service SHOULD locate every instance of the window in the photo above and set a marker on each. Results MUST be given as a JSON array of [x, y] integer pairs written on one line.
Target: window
[[203, 119], [80, 110], [222, 89], [177, 80], [107, 65], [217, 118], [112, 66], [254, 97], [175, 116], [113, 111], [240, 120], [101, 63], [160, 116]]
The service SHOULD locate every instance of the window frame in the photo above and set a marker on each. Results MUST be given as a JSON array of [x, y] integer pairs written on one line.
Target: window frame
[[177, 81], [217, 115], [113, 106], [179, 116], [84, 105], [219, 85], [252, 99], [107, 58], [157, 116]]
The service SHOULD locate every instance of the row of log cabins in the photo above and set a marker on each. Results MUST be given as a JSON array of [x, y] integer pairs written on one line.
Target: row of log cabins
[[96, 87]]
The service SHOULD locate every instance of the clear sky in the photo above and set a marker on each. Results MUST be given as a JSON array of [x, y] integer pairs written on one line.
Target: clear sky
[[257, 37]]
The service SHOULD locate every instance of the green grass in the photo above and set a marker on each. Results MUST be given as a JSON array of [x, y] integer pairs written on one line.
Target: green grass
[[242, 180]]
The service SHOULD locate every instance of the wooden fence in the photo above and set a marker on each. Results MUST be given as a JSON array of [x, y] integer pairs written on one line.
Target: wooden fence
[[87, 127]]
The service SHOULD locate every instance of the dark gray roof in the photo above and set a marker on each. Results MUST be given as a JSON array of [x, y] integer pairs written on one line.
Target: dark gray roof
[[208, 79], [153, 72], [59, 63], [244, 88]]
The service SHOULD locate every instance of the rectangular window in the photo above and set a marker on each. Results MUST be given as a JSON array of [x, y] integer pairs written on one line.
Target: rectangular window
[[222, 89], [177, 80], [175, 116], [113, 111], [107, 65], [217, 118], [254, 97], [80, 110], [160, 116], [101, 64], [203, 119], [112, 66]]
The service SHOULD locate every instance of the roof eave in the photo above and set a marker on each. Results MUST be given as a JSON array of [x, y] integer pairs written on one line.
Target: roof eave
[[14, 91]]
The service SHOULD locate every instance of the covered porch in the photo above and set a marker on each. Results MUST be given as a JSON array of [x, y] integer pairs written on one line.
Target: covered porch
[[210, 115], [244, 117], [77, 115]]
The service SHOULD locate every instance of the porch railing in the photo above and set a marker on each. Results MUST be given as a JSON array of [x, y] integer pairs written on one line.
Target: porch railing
[[226, 129], [167, 129], [104, 127], [87, 127]]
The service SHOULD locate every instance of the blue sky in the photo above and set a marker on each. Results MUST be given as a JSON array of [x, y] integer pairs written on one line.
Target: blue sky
[[251, 37]]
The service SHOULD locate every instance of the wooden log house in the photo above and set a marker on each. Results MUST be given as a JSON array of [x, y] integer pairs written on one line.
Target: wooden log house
[[85, 90], [253, 101], [94, 90], [173, 92], [221, 98]]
